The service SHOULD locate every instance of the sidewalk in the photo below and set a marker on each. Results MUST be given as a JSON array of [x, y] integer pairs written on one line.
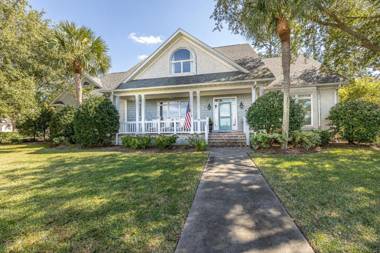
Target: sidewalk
[[235, 210]]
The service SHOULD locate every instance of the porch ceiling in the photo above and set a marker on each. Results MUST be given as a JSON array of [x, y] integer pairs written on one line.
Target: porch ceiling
[[185, 94]]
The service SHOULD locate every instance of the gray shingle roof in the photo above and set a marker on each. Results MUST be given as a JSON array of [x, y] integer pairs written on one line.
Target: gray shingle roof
[[236, 52], [182, 80], [303, 72], [242, 54], [110, 81]]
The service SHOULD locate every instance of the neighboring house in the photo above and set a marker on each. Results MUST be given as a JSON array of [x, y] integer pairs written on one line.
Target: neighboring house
[[6, 125], [218, 83]]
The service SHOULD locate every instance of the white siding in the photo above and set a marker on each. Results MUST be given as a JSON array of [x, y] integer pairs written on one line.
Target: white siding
[[204, 61], [327, 101]]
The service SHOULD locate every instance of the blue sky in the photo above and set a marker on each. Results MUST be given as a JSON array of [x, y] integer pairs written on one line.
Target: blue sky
[[134, 28]]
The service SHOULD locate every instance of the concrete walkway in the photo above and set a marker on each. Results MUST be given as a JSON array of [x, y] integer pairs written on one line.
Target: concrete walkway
[[234, 210]]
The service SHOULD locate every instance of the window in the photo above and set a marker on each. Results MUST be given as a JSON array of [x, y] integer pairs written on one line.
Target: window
[[182, 62], [306, 102], [172, 110]]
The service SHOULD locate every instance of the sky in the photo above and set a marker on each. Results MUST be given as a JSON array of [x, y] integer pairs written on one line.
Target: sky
[[133, 29]]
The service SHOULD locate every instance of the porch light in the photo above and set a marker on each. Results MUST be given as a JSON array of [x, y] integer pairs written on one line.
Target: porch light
[[241, 105], [209, 107]]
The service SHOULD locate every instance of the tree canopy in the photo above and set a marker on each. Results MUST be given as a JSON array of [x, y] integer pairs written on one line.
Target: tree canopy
[[28, 69], [344, 35]]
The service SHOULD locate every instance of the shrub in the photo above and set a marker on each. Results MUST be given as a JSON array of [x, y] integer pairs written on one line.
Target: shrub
[[165, 141], [59, 140], [136, 142], [306, 139], [356, 120], [62, 124], [36, 124], [10, 138], [266, 113], [197, 142], [262, 140], [325, 136], [96, 122]]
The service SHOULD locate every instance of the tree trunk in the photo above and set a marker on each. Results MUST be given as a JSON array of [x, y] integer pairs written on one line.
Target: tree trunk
[[283, 31], [78, 88]]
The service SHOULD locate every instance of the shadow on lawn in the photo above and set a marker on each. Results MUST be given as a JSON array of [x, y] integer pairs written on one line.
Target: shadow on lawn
[[334, 193], [105, 203]]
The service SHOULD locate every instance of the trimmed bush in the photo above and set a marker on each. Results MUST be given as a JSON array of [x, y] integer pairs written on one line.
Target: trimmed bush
[[356, 120], [165, 141], [136, 142], [62, 124], [10, 138], [263, 140], [325, 136], [266, 113], [96, 122], [306, 139], [198, 142]]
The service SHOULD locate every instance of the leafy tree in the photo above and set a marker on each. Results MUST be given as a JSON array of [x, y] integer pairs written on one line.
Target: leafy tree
[[265, 113], [28, 60], [356, 120], [82, 52], [367, 89], [96, 122], [260, 20], [36, 123]]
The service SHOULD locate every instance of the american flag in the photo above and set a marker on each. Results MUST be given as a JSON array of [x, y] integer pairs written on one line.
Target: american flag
[[188, 117]]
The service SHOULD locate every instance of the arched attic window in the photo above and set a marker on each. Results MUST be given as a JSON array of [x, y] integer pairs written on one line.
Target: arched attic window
[[182, 61]]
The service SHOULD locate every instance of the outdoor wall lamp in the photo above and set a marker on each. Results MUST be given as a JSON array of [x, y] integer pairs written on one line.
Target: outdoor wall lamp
[[209, 107], [241, 105]]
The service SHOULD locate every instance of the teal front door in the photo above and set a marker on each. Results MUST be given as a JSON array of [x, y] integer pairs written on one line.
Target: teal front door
[[225, 116]]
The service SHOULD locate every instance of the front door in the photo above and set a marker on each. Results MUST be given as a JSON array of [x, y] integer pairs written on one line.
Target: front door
[[225, 116]]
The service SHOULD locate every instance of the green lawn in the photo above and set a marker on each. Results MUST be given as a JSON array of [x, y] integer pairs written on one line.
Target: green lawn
[[94, 200], [334, 196]]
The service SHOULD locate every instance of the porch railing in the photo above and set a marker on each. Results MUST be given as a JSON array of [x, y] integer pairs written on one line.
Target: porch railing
[[160, 126]]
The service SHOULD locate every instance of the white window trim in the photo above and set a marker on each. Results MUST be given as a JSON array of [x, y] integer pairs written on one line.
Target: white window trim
[[307, 96], [167, 103], [191, 60]]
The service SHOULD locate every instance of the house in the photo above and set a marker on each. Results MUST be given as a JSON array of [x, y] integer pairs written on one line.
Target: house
[[6, 125], [218, 83]]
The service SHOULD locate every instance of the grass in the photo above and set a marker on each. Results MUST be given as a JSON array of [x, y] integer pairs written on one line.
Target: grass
[[334, 196], [94, 200]]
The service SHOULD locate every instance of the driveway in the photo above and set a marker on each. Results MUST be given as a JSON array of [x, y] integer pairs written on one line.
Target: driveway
[[235, 210]]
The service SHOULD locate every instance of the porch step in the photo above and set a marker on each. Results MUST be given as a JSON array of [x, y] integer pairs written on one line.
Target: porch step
[[227, 139]]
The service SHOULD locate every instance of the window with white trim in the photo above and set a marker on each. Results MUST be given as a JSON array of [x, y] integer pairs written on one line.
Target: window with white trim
[[182, 61], [306, 102], [172, 110]]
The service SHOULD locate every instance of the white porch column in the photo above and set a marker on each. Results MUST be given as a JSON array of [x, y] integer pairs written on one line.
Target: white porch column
[[117, 105], [191, 111], [137, 112], [261, 91], [254, 95], [199, 110], [143, 113], [125, 110]]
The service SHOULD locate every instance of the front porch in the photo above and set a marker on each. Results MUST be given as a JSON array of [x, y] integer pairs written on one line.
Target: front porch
[[212, 108]]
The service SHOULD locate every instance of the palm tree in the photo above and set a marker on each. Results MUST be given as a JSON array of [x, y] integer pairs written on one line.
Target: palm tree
[[260, 20], [82, 52]]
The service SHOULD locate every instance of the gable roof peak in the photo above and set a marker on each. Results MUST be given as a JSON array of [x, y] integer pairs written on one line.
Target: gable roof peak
[[180, 31]]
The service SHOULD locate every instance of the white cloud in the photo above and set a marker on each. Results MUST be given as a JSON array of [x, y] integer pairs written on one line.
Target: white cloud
[[148, 40], [142, 57]]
